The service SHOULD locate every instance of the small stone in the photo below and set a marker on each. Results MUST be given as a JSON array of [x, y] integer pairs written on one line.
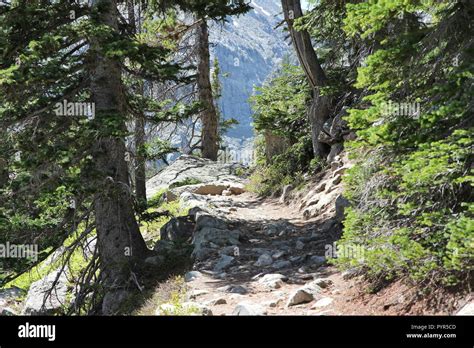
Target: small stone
[[281, 264], [196, 293], [317, 260], [296, 258], [193, 275], [273, 281], [299, 245], [278, 254], [224, 262], [234, 289], [349, 273], [322, 282], [264, 260], [300, 296], [217, 301], [245, 308]]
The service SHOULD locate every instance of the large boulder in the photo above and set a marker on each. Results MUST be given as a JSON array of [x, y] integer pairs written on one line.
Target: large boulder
[[341, 204], [208, 238], [191, 169], [215, 188], [179, 228], [39, 303]]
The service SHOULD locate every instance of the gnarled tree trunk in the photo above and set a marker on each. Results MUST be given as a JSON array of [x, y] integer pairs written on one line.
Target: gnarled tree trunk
[[209, 136], [320, 108]]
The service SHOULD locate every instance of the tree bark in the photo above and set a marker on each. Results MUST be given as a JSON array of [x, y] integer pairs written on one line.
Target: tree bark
[[209, 136], [320, 108], [140, 162], [139, 131], [120, 243]]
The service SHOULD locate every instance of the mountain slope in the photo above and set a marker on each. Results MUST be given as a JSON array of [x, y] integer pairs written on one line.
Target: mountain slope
[[248, 49]]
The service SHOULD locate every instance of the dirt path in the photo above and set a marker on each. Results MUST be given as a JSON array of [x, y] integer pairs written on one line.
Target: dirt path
[[279, 269], [280, 253]]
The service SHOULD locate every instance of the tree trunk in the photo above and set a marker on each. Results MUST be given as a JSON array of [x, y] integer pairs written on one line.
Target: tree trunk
[[120, 242], [209, 119], [140, 161], [320, 108], [139, 131]]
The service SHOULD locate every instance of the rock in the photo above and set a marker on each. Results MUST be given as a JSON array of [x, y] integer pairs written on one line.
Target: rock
[[317, 260], [322, 282], [246, 308], [179, 228], [305, 294], [238, 289], [281, 264], [340, 171], [202, 253], [8, 312], [193, 212], [273, 303], [206, 235], [88, 247], [350, 136], [326, 228], [325, 201], [336, 149], [230, 250], [215, 188], [206, 220], [299, 296], [336, 181], [467, 309], [325, 301], [299, 245], [349, 273], [341, 204], [273, 280], [224, 262], [264, 260], [163, 247], [10, 294], [193, 275], [296, 258], [191, 168], [270, 230], [38, 291], [196, 293], [155, 260], [279, 254], [285, 196], [234, 289], [217, 301], [208, 189]]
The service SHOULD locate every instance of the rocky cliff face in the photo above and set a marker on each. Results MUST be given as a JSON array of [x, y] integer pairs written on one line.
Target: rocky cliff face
[[248, 49]]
